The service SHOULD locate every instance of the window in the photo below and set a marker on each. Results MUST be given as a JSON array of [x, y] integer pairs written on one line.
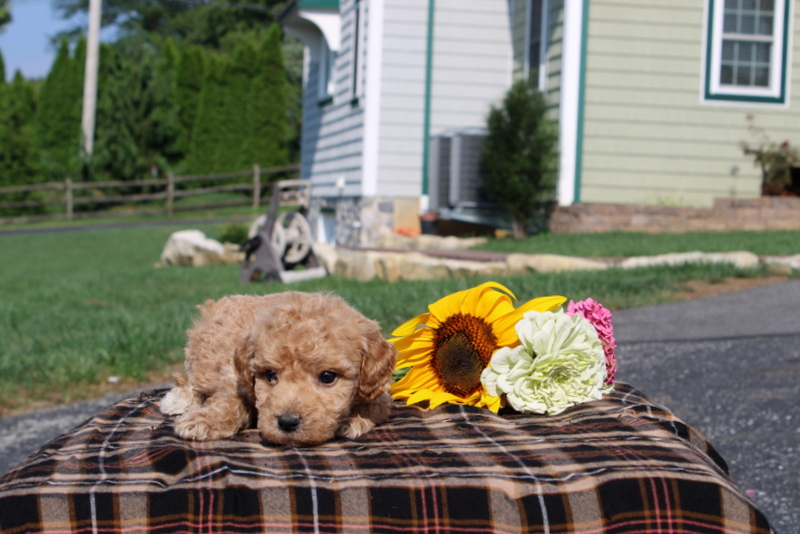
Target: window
[[358, 50], [326, 59], [746, 52], [536, 31]]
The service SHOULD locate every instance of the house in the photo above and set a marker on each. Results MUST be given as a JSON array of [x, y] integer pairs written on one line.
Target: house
[[651, 96]]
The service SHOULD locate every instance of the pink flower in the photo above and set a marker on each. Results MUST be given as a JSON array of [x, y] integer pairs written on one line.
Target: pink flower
[[600, 318]]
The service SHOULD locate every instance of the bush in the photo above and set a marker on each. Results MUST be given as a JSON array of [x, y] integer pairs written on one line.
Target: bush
[[234, 233], [775, 159], [520, 158]]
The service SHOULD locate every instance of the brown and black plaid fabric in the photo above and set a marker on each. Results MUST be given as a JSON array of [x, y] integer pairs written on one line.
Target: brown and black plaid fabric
[[620, 465]]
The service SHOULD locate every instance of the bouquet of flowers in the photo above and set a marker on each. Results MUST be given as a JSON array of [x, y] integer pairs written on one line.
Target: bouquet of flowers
[[474, 347]]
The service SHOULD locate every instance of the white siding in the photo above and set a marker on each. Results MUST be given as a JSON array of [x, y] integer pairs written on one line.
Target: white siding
[[402, 108], [332, 137], [647, 137], [472, 62]]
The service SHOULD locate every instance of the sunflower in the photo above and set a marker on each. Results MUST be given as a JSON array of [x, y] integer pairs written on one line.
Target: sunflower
[[448, 348]]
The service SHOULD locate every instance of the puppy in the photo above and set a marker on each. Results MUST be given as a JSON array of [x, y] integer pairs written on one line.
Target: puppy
[[301, 367]]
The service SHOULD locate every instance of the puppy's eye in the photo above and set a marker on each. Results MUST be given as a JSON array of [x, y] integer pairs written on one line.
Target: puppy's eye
[[328, 377], [271, 376]]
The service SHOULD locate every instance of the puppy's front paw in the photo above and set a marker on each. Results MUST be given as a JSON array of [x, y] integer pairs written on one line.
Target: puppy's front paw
[[196, 426], [356, 426]]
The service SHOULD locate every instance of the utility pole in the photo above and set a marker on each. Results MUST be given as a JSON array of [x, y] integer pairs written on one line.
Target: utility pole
[[90, 77]]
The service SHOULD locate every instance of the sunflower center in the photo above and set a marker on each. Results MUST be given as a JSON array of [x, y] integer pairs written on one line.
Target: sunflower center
[[463, 346]]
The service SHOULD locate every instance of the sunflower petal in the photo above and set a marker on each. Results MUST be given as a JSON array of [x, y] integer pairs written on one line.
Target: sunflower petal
[[410, 326], [504, 327], [417, 378], [490, 401], [412, 357], [421, 338], [487, 303], [441, 397], [446, 306]]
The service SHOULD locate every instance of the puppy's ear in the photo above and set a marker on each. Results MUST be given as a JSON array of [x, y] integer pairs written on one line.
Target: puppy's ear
[[378, 361], [244, 373]]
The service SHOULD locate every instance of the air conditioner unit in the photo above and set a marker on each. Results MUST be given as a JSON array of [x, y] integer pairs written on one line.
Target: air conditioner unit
[[439, 172], [455, 173]]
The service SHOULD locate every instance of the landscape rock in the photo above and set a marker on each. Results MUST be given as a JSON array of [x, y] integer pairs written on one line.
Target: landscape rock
[[326, 254], [743, 260], [465, 268], [790, 262], [425, 241], [355, 264], [193, 248], [550, 263]]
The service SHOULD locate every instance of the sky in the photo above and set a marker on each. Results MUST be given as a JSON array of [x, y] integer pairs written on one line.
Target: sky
[[25, 43]]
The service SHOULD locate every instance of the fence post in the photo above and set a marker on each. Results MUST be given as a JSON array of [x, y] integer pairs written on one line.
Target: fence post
[[68, 197], [256, 186], [170, 193]]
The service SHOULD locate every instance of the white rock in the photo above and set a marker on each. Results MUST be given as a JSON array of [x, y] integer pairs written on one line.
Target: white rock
[[740, 259], [550, 263], [465, 268], [355, 264], [678, 258], [426, 241], [326, 254], [192, 247], [792, 262], [422, 267]]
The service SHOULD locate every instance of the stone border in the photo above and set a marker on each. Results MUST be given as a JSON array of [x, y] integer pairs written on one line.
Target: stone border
[[392, 266]]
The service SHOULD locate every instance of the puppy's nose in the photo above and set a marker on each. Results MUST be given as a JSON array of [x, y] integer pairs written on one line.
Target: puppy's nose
[[288, 423]]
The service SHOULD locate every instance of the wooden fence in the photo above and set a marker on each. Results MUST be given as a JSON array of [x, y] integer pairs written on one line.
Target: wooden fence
[[166, 190]]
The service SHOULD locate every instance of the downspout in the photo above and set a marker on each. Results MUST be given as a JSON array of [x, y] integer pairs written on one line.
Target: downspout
[[427, 117]]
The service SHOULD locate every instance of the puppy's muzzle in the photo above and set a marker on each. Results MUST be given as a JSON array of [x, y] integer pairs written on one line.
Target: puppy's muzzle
[[288, 423]]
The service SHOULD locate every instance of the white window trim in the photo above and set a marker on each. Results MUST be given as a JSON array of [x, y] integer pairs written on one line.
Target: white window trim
[[777, 92]]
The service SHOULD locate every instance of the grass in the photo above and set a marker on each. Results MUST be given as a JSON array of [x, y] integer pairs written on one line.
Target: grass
[[76, 308], [625, 244]]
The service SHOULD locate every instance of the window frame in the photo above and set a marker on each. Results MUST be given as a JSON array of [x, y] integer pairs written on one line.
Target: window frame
[[327, 60], [777, 90], [543, 33]]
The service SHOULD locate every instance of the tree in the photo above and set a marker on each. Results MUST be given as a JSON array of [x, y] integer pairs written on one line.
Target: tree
[[5, 15], [18, 164], [189, 84], [137, 120], [58, 120], [267, 138], [237, 130], [210, 123], [519, 159], [203, 23]]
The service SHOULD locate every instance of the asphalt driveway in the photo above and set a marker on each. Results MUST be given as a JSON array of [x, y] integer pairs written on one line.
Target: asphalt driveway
[[728, 365]]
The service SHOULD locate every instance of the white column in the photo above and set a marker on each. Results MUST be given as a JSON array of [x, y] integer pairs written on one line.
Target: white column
[[570, 99], [372, 99]]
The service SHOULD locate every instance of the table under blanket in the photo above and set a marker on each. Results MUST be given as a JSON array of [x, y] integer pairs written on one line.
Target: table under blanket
[[622, 464]]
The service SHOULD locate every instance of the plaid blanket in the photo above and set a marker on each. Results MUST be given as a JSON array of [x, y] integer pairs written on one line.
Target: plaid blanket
[[620, 465]]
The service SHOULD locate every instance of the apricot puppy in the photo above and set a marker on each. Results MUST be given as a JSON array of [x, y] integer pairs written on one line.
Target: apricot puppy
[[301, 367]]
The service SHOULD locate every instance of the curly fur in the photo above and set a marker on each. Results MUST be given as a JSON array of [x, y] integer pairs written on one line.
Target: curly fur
[[257, 361]]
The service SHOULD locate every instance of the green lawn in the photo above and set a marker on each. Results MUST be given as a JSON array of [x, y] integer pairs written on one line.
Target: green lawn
[[624, 244], [78, 307]]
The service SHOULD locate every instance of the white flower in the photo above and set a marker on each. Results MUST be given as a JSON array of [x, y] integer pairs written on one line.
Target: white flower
[[560, 363]]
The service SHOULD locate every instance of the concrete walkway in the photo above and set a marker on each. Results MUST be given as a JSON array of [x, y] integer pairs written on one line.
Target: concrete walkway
[[728, 365]]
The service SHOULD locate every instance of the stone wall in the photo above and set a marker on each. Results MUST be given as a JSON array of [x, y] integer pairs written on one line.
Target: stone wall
[[765, 213]]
